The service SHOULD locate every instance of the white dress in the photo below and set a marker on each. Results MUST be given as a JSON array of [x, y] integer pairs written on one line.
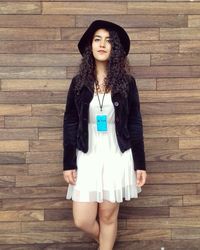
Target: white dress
[[104, 172]]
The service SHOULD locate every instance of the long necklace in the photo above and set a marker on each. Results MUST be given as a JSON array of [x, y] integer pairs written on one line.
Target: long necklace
[[100, 104]]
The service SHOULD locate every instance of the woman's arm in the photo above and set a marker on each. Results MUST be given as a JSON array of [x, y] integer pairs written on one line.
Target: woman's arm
[[136, 127], [70, 125]]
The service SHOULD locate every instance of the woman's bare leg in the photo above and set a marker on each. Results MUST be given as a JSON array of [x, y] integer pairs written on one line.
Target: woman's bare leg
[[108, 215], [85, 214]]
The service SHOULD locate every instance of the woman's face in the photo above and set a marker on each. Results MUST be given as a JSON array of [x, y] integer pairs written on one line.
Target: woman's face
[[101, 45]]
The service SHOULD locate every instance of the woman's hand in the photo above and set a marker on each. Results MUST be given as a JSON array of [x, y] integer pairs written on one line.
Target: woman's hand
[[70, 176], [141, 176]]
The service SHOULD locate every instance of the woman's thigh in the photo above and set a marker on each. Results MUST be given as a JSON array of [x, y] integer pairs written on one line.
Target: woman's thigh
[[84, 212]]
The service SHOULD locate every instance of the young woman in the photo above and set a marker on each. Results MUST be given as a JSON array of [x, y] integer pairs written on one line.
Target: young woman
[[104, 158]]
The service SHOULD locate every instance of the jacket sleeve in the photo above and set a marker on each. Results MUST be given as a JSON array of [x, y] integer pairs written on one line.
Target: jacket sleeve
[[136, 127], [70, 125]]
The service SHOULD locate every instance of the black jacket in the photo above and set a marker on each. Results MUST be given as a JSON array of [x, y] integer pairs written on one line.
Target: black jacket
[[128, 124]]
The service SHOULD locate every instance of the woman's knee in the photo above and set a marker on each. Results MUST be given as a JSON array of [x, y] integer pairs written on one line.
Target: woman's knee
[[82, 223], [108, 214]]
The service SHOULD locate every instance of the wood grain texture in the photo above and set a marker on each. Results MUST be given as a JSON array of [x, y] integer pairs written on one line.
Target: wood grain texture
[[29, 34], [40, 21], [38, 58], [163, 8], [137, 20], [20, 8], [83, 8]]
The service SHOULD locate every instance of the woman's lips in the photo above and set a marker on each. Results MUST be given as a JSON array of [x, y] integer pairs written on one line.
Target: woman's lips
[[101, 51]]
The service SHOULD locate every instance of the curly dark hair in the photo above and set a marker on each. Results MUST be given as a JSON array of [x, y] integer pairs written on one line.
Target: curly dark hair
[[117, 68]]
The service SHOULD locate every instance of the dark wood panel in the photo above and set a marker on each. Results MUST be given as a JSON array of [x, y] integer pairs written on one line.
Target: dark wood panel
[[140, 212], [169, 189]]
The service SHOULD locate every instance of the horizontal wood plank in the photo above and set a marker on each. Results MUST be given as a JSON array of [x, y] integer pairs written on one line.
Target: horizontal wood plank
[[191, 46], [9, 227], [18, 134], [29, 34], [44, 47], [29, 215], [35, 203], [34, 84], [45, 169], [20, 8], [36, 21], [33, 121], [14, 146], [194, 20], [178, 83], [39, 181], [169, 189], [188, 211], [50, 133], [83, 8], [179, 33], [142, 21], [32, 72], [46, 145], [175, 59], [163, 8], [173, 178], [33, 192], [188, 233]]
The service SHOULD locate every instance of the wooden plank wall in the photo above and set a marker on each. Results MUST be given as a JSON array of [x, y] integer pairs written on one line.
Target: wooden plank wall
[[38, 57]]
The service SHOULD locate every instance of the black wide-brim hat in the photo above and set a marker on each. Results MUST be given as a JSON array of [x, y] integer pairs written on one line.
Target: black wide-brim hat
[[102, 24]]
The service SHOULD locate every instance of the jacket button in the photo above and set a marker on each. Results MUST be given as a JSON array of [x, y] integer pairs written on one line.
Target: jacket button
[[116, 104]]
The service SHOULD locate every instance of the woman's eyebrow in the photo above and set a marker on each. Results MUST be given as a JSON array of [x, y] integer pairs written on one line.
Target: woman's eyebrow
[[101, 36]]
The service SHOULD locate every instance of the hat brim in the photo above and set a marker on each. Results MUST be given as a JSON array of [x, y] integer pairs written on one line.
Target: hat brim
[[98, 24]]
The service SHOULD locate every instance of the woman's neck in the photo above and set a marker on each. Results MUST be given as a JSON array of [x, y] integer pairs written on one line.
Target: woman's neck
[[101, 71]]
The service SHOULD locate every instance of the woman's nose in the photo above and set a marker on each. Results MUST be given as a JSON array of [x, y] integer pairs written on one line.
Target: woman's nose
[[102, 44]]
